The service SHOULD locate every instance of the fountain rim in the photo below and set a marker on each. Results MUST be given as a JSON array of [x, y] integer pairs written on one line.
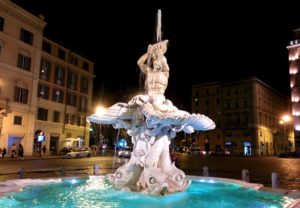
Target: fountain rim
[[16, 185]]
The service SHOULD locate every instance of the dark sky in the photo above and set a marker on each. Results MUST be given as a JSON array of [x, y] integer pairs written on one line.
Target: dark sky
[[208, 42]]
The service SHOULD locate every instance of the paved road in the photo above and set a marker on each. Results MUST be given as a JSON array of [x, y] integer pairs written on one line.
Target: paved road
[[42, 165], [260, 168]]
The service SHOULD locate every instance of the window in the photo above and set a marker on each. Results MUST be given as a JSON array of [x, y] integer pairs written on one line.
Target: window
[[43, 91], [24, 62], [207, 102], [246, 104], [45, 70], [67, 118], [57, 95], [218, 124], [59, 77], [56, 116], [1, 46], [71, 99], [207, 92], [196, 101], [228, 105], [218, 101], [247, 133], [81, 121], [72, 80], [46, 47], [84, 85], [26, 36], [228, 92], [260, 118], [197, 93], [1, 23], [85, 66], [236, 91], [72, 119], [246, 119], [18, 120], [61, 54], [228, 134], [73, 60], [42, 114], [21, 95], [83, 104], [236, 104], [237, 120]]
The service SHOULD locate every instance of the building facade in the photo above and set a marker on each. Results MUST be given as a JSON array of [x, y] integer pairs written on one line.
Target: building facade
[[247, 114], [294, 68], [44, 88]]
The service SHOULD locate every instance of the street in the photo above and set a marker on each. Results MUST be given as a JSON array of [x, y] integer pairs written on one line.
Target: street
[[260, 168]]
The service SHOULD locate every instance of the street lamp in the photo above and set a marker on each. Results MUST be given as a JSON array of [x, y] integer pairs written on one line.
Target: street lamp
[[284, 120], [100, 110]]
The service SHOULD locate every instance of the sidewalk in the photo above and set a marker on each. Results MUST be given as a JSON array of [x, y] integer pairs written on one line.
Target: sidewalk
[[43, 157]]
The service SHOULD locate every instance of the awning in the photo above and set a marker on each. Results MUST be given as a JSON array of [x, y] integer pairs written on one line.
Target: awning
[[72, 139]]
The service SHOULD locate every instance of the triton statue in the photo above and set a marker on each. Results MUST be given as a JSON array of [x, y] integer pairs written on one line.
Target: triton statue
[[152, 121]]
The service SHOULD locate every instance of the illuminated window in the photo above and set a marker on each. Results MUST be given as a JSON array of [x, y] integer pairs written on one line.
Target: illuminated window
[[45, 70]]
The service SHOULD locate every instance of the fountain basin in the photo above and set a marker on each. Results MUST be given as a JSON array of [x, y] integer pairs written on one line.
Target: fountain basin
[[95, 191]]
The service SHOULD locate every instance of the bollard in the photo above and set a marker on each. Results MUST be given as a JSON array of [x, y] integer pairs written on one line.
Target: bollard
[[21, 173], [96, 169], [205, 171], [245, 175], [275, 180], [62, 171]]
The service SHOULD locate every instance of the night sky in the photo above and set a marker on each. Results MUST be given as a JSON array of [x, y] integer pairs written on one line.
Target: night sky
[[208, 42]]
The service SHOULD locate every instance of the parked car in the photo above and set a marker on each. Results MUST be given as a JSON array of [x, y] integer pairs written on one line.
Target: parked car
[[78, 154], [124, 153]]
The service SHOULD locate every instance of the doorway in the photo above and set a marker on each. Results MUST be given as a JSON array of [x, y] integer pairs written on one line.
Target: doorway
[[54, 145], [247, 149], [13, 140]]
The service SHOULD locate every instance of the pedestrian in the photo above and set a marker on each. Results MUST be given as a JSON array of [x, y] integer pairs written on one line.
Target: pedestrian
[[20, 151], [3, 152], [13, 150], [44, 149]]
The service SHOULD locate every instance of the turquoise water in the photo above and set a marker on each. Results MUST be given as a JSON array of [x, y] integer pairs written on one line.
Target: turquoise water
[[95, 192]]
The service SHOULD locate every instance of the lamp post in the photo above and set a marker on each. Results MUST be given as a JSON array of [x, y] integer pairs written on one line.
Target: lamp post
[[100, 111], [284, 120]]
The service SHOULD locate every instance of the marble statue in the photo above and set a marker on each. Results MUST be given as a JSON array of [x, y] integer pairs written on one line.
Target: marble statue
[[152, 121]]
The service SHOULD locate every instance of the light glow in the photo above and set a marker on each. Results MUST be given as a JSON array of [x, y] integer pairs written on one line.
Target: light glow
[[286, 118], [297, 127], [100, 110], [73, 181], [211, 181], [295, 99], [293, 70]]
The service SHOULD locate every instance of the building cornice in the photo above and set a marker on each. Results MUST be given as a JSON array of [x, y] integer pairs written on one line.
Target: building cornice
[[22, 15]]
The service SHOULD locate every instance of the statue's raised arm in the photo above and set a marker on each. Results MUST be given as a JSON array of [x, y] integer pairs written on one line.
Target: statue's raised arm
[[154, 65]]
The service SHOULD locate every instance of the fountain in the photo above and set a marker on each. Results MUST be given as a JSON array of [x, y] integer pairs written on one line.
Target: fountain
[[152, 121]]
